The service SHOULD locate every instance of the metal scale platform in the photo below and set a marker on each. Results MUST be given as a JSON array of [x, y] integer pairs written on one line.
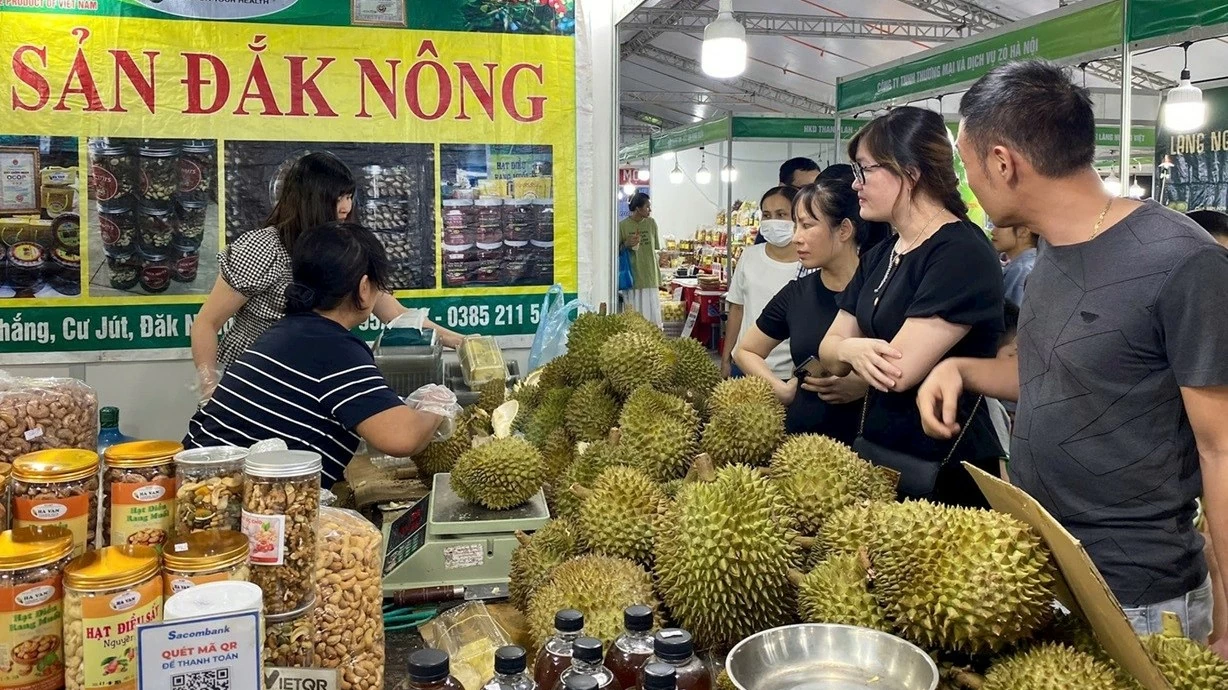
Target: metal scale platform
[[460, 544]]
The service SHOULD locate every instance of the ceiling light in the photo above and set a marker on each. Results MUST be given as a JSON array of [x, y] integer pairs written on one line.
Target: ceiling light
[[1112, 185], [702, 176], [628, 189], [642, 174], [1136, 190], [1184, 109], [729, 174], [724, 51], [676, 176]]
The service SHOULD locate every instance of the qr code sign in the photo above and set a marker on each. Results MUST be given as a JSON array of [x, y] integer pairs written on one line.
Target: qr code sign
[[216, 679]]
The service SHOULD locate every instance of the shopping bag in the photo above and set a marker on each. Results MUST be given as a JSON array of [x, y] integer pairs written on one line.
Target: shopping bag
[[626, 279], [550, 341]]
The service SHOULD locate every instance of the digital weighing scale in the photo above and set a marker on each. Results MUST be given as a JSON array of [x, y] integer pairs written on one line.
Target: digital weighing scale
[[457, 543]]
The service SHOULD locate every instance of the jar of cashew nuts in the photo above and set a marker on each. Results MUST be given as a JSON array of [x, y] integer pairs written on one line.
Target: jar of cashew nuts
[[214, 555], [32, 561], [138, 485], [281, 509], [288, 636], [210, 489], [108, 593], [58, 487]]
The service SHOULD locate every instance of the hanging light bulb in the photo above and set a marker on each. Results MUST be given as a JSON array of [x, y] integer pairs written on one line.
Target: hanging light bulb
[[729, 174], [676, 176], [628, 189], [642, 174], [1184, 109], [702, 176], [1112, 185], [723, 55], [1136, 189]]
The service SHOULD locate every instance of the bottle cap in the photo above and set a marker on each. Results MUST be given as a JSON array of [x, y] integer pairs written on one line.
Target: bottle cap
[[659, 676], [569, 621], [580, 683], [673, 644], [108, 417], [637, 618], [510, 660], [428, 666], [588, 650]]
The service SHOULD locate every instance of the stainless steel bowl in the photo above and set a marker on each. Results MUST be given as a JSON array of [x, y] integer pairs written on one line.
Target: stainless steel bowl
[[829, 657]]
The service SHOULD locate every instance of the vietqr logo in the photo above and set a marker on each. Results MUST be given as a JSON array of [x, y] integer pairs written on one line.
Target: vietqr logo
[[145, 494], [49, 511], [217, 9], [125, 600], [35, 596]]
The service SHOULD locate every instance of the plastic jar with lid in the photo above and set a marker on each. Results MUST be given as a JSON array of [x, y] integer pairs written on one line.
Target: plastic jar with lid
[[67, 231], [289, 638], [65, 272], [489, 212], [27, 261], [209, 489], [159, 171], [117, 225], [459, 264], [112, 171], [281, 511], [521, 221], [158, 226], [58, 487], [107, 594], [190, 230], [215, 555], [489, 261], [138, 487], [542, 261], [185, 262], [32, 561], [516, 260], [545, 219], [155, 274], [197, 170], [124, 270]]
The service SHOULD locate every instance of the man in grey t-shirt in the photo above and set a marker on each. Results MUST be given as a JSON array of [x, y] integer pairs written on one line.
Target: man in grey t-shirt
[[1122, 376]]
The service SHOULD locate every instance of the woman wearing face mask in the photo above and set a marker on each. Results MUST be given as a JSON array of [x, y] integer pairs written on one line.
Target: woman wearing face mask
[[761, 272], [933, 292], [829, 236]]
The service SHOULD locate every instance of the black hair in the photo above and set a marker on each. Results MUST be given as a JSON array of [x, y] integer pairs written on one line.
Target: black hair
[[832, 196], [794, 165], [308, 196], [783, 190], [1213, 222], [838, 171], [328, 263], [914, 144], [1034, 107], [638, 200], [1010, 316]]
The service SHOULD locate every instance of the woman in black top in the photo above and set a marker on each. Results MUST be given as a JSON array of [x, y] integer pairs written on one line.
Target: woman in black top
[[829, 234], [932, 293]]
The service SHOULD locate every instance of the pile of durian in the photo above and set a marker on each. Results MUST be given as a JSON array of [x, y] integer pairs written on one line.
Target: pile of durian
[[674, 489]]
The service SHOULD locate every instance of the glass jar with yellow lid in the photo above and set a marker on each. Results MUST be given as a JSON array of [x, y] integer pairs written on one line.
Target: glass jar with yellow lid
[[6, 492], [138, 485], [107, 594], [32, 561], [58, 487], [214, 555]]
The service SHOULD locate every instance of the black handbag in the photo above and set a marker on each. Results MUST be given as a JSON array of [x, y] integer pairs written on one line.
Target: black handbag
[[918, 476]]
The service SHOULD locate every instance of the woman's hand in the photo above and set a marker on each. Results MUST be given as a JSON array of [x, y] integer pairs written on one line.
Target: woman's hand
[[872, 360], [836, 390], [785, 391]]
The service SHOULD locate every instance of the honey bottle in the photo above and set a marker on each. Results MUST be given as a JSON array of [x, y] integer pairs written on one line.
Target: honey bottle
[[555, 655], [587, 661], [674, 647], [629, 652], [429, 669]]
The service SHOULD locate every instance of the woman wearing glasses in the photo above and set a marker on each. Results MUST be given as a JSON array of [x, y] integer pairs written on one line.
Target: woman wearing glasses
[[932, 293]]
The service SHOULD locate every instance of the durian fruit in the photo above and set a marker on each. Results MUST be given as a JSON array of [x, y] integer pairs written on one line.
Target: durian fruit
[[744, 434], [498, 475], [884, 482], [695, 373], [818, 476], [618, 516], [1052, 667], [592, 411], [651, 402], [724, 682], [659, 434], [960, 579], [848, 530], [535, 556], [585, 337], [748, 390], [558, 372], [600, 587], [492, 394], [837, 591], [596, 458], [635, 322], [551, 414], [1187, 664], [558, 453], [630, 360], [723, 552], [441, 456]]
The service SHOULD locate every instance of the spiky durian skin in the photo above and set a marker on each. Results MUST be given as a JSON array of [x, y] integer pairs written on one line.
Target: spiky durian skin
[[1050, 667], [1187, 664], [498, 475], [585, 337], [695, 374], [723, 553], [619, 518], [600, 587], [492, 394], [658, 443], [558, 454], [592, 411], [848, 530], [650, 402], [748, 390], [630, 360], [441, 456], [960, 579], [724, 682], [553, 544], [635, 322], [744, 434], [818, 476], [836, 591], [587, 467], [551, 414]]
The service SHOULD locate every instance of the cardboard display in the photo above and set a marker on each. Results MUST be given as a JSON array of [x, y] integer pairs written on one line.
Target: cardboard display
[[1080, 585]]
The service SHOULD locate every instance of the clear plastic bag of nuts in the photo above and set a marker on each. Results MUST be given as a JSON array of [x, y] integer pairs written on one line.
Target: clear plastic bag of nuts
[[349, 621], [40, 414]]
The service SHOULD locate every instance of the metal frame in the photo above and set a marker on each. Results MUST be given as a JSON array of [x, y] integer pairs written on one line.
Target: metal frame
[[694, 97], [693, 21]]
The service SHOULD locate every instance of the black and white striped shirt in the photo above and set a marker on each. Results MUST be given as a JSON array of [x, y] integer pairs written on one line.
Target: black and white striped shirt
[[307, 381]]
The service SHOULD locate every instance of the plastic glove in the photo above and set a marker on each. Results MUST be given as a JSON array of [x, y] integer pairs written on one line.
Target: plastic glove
[[207, 378], [414, 318], [437, 400]]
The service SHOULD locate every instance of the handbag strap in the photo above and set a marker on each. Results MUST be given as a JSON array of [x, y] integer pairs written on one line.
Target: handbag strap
[[865, 406]]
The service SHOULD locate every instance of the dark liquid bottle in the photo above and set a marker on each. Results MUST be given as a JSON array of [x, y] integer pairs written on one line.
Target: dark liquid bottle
[[510, 663], [587, 662], [629, 652], [659, 677], [555, 655], [674, 647], [429, 669]]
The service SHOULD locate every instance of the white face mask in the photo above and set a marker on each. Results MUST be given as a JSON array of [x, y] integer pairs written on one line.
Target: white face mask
[[778, 233]]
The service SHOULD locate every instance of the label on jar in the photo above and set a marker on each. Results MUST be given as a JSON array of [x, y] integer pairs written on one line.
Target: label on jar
[[190, 175], [266, 535], [106, 187], [69, 512], [110, 620], [174, 583], [31, 624], [108, 229], [142, 513], [155, 276]]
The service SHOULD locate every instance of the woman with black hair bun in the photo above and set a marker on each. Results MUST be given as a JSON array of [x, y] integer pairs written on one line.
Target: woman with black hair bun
[[311, 382], [829, 236]]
